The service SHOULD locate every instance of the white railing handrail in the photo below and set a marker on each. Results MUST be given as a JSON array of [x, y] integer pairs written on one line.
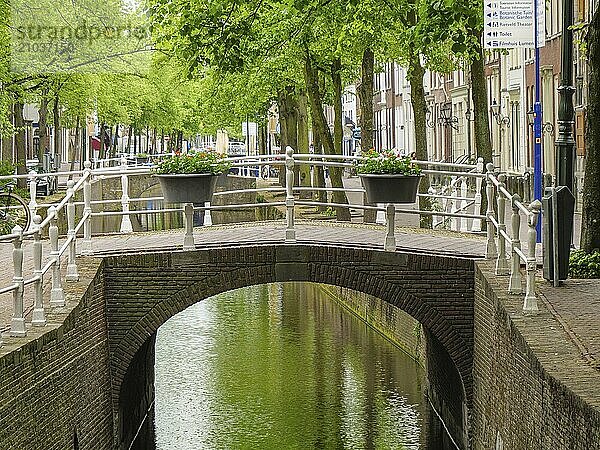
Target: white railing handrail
[[508, 242]]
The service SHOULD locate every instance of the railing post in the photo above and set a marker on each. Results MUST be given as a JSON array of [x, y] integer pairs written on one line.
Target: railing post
[[57, 295], [38, 318], [476, 225], [86, 245], [126, 226], [453, 201], [501, 262], [72, 273], [530, 303], [17, 325], [390, 238], [464, 226], [32, 193], [188, 239], [514, 283], [290, 232], [435, 220], [490, 252], [207, 222]]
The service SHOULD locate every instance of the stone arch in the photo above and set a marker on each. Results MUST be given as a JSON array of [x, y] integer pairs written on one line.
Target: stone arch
[[437, 291]]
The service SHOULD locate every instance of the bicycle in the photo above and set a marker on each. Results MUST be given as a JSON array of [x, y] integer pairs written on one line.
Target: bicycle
[[13, 210]]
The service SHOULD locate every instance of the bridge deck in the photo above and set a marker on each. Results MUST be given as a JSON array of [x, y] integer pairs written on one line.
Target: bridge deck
[[566, 336]]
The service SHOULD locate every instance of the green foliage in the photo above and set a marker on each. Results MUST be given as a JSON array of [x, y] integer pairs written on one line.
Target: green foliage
[[6, 168], [584, 265], [387, 162], [199, 162]]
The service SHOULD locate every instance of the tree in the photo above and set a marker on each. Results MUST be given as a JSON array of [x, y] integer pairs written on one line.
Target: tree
[[590, 223]]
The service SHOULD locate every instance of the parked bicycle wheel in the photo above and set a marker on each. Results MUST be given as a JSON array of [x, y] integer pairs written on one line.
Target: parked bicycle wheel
[[13, 211]]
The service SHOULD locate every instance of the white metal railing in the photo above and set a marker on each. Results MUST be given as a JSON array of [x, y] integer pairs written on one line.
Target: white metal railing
[[503, 246]]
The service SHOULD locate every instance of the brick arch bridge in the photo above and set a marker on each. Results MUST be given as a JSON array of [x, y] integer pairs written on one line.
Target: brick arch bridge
[[143, 291]]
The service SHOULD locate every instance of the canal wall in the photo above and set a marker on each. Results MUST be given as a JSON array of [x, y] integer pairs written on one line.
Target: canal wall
[[444, 385], [55, 386], [520, 373], [393, 323]]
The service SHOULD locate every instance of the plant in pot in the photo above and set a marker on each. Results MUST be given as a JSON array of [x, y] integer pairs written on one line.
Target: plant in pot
[[388, 177], [142, 158], [190, 177]]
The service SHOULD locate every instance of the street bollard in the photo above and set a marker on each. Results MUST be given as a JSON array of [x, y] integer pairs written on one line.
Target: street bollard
[[86, 245], [530, 303], [38, 318], [290, 231], [188, 239], [17, 325], [390, 237], [57, 295], [126, 226], [501, 262], [490, 251], [514, 283], [72, 273]]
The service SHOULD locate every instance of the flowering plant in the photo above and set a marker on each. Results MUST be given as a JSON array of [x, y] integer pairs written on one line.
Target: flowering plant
[[387, 162], [200, 162]]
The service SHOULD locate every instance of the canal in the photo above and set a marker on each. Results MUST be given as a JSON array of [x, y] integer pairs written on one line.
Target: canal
[[282, 366]]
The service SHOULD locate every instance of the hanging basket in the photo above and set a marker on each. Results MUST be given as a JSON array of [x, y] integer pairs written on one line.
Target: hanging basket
[[390, 188], [188, 188]]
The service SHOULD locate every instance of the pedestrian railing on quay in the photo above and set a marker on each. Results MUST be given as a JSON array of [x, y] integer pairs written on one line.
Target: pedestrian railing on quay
[[502, 246]]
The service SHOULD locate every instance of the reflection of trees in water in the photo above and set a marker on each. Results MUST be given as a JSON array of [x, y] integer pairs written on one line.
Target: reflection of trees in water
[[285, 367]]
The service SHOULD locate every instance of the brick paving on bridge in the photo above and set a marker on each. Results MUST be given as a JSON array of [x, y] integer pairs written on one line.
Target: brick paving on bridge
[[564, 335]]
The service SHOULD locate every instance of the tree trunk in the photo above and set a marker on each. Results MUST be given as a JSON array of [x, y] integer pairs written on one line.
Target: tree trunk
[[115, 142], [43, 126], [103, 143], [319, 175], [7, 140], [134, 136], [20, 145], [417, 99], [336, 173], [483, 144], [321, 128], [57, 130], [288, 128], [590, 221], [73, 147], [303, 144], [365, 97]]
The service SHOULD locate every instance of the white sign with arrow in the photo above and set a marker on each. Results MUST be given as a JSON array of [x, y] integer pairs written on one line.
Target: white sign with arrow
[[509, 23]]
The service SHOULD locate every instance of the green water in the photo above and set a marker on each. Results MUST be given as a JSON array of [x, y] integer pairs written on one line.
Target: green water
[[282, 367]]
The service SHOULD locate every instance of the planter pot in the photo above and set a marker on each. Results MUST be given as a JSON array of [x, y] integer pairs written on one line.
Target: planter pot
[[188, 188], [142, 159], [390, 188]]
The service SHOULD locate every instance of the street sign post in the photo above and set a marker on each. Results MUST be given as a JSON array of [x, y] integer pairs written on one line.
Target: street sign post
[[521, 24]]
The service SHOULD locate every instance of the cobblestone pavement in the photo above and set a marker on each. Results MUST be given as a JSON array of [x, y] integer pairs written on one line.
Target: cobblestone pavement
[[568, 311]]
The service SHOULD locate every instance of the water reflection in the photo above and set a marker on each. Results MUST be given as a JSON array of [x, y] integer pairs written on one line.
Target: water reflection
[[282, 367]]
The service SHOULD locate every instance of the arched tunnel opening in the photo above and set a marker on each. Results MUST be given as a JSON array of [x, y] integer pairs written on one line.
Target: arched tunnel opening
[[440, 385]]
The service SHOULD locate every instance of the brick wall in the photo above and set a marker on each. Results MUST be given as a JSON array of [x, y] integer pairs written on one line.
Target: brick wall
[[55, 387], [519, 402], [444, 385]]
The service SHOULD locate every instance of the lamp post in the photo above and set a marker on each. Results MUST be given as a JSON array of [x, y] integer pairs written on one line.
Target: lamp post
[[565, 143], [500, 118]]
